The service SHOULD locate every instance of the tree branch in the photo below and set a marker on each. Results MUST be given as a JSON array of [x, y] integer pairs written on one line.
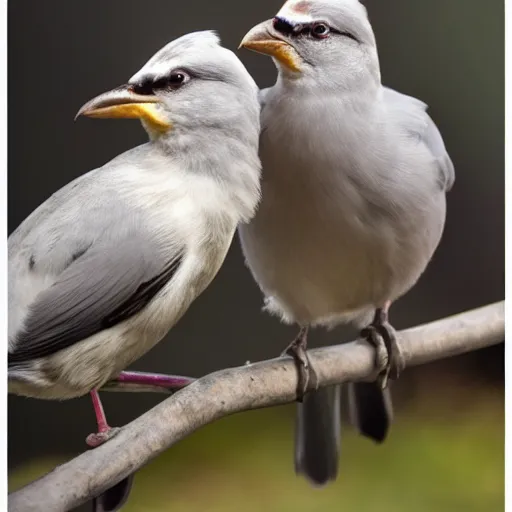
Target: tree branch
[[233, 390]]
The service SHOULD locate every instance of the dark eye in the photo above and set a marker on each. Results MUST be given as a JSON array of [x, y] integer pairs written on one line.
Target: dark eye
[[173, 81], [177, 79], [320, 30]]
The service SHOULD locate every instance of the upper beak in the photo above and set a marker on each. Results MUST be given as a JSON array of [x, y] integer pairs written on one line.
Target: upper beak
[[264, 39], [122, 102]]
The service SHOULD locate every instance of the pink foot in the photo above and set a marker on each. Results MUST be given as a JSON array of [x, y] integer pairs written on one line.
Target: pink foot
[[105, 431], [97, 439]]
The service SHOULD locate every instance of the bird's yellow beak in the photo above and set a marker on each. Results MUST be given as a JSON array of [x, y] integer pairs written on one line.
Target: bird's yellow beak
[[263, 39], [125, 103]]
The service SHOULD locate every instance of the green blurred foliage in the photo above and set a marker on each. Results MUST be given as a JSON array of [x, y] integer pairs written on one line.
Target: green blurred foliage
[[443, 455]]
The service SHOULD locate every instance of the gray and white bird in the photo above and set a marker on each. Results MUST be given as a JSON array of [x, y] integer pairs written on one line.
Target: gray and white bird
[[353, 203], [102, 270]]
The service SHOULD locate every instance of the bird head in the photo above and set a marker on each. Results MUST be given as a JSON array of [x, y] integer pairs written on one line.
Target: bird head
[[329, 40], [192, 82]]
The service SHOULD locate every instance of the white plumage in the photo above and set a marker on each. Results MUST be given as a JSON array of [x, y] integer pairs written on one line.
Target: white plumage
[[353, 199], [101, 271]]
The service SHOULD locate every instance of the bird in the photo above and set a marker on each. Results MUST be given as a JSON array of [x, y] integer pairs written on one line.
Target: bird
[[354, 183], [104, 268]]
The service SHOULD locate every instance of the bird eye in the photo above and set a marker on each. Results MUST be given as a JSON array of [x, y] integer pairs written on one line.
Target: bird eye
[[320, 30], [172, 81], [177, 79]]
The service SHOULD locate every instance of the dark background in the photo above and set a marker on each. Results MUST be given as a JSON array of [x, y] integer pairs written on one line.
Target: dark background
[[448, 53]]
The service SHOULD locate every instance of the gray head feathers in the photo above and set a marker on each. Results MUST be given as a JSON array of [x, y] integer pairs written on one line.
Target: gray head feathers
[[195, 41]]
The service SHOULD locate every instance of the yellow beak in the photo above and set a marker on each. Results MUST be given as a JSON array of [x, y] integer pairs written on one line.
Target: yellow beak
[[124, 103], [263, 39]]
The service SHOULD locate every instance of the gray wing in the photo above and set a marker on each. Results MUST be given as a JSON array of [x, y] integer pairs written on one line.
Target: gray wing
[[104, 286], [412, 114], [434, 141]]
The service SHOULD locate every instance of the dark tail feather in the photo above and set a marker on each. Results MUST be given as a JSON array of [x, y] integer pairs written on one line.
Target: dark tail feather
[[114, 498], [317, 435], [370, 409]]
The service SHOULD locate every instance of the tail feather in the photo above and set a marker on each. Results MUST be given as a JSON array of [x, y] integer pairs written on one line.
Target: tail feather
[[370, 409], [114, 498], [317, 435]]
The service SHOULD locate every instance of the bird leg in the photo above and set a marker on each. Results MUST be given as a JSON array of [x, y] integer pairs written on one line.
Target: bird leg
[[170, 382], [141, 381], [105, 431], [381, 334], [297, 349]]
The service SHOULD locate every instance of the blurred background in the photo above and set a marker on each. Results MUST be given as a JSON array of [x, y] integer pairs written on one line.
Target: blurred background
[[445, 450]]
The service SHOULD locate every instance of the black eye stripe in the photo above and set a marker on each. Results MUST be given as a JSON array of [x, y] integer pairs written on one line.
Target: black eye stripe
[[283, 26], [143, 88], [337, 32], [160, 83], [173, 80], [287, 28]]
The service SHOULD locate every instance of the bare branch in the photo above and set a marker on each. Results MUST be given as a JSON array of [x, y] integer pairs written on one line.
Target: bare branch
[[239, 389]]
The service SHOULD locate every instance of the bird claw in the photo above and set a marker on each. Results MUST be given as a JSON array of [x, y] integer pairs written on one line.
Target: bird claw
[[308, 378], [371, 335], [97, 439], [389, 358], [397, 361]]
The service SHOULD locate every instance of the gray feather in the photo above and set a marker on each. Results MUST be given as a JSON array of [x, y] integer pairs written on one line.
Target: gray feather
[[84, 261], [353, 201], [317, 442], [434, 142], [114, 499], [101, 271], [411, 113], [371, 410], [103, 287]]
